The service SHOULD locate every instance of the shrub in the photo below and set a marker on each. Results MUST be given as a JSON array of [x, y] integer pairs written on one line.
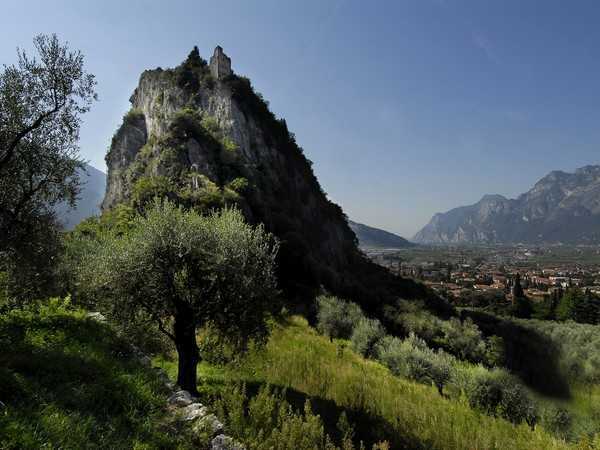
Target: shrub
[[497, 393], [557, 420], [365, 336], [391, 353], [464, 339], [146, 189], [412, 359], [132, 115], [337, 318], [267, 421]]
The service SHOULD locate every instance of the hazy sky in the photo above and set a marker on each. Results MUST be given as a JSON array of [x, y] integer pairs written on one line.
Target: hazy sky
[[406, 108]]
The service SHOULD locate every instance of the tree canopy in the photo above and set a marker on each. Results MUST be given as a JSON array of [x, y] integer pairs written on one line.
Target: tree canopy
[[42, 99], [186, 270]]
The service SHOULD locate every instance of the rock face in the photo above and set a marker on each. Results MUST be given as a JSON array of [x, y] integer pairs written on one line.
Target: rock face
[[200, 134], [369, 237], [561, 208]]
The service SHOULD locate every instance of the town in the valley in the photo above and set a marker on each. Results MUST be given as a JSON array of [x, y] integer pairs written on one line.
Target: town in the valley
[[461, 273]]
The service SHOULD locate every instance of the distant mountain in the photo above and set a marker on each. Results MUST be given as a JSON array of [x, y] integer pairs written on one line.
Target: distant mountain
[[93, 187], [561, 208], [369, 237]]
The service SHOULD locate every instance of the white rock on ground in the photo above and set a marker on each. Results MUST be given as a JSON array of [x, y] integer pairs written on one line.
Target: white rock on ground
[[97, 316], [209, 423], [180, 398], [193, 411]]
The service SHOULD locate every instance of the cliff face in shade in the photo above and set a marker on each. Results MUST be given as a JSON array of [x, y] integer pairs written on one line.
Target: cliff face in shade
[[370, 237], [203, 129], [93, 186], [560, 208]]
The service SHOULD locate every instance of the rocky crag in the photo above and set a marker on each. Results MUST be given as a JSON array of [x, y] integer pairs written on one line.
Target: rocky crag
[[200, 135], [561, 208]]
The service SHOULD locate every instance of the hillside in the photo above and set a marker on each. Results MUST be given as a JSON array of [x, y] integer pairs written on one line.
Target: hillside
[[370, 237], [200, 135], [377, 404], [67, 381], [93, 187], [560, 208]]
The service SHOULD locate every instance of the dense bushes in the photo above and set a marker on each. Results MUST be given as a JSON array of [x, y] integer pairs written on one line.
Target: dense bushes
[[337, 318], [365, 336], [493, 391], [577, 344], [412, 359], [461, 338], [497, 393]]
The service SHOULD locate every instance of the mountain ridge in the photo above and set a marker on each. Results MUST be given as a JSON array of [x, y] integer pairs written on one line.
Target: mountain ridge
[[561, 207], [93, 187], [371, 237]]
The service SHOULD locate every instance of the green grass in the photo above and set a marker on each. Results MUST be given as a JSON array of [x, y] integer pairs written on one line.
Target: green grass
[[380, 405], [67, 381]]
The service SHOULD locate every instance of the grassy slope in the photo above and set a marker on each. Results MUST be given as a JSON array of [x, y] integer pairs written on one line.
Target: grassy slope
[[407, 414], [69, 382]]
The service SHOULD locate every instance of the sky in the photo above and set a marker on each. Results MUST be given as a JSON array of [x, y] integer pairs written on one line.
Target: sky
[[406, 108]]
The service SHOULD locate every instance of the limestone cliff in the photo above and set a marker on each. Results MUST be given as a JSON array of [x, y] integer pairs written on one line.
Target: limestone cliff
[[560, 208], [200, 134]]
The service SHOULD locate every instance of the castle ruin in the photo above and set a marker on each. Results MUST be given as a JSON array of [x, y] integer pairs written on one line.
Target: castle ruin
[[220, 64]]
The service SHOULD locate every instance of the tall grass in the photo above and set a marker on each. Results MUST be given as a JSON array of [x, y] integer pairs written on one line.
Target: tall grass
[[69, 382], [382, 406]]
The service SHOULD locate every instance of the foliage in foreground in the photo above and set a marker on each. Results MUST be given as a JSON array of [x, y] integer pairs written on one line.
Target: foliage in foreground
[[190, 270], [67, 381], [377, 404], [42, 99]]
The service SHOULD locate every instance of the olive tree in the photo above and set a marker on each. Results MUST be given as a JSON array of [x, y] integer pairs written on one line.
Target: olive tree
[[185, 270], [42, 99]]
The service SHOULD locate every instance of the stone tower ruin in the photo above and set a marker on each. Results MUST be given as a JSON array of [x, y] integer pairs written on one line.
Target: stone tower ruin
[[220, 64]]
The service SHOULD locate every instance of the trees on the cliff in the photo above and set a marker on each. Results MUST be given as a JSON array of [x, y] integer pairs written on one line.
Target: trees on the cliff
[[184, 271], [41, 101]]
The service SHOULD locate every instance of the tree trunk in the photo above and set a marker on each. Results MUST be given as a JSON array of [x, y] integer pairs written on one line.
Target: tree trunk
[[187, 351]]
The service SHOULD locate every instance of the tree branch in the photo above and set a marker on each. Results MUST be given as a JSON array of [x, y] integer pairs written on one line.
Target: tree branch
[[24, 132]]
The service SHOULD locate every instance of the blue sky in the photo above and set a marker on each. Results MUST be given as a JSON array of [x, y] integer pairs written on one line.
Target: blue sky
[[406, 108]]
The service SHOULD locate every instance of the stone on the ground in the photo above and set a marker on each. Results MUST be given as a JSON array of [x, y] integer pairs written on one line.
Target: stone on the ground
[[180, 398], [208, 424], [97, 316], [222, 442], [193, 411]]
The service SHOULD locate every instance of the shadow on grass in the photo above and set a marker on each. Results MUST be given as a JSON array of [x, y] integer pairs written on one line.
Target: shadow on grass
[[529, 354], [368, 428], [67, 381]]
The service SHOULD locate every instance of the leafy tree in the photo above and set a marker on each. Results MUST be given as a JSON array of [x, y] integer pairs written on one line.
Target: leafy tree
[[189, 270], [41, 102], [366, 334], [337, 318], [574, 305]]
